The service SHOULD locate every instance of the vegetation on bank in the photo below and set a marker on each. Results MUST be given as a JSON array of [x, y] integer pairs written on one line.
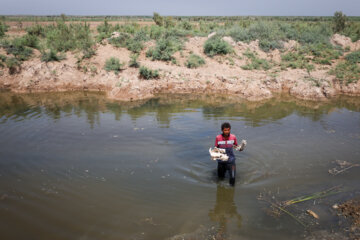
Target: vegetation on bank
[[170, 34], [147, 73], [194, 61]]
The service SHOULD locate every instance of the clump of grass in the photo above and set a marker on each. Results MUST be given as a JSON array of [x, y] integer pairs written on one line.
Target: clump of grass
[[255, 62], [346, 72], [322, 53], [13, 64], [353, 57], [147, 73], [51, 56], [296, 60], [194, 61], [133, 61], [113, 64], [216, 46]]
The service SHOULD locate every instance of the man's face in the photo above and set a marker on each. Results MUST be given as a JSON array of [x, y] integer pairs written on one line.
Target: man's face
[[226, 131]]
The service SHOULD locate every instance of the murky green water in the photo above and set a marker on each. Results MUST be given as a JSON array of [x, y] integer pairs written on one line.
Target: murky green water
[[78, 166]]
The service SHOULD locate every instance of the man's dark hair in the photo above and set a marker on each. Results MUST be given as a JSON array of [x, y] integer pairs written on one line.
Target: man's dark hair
[[225, 125]]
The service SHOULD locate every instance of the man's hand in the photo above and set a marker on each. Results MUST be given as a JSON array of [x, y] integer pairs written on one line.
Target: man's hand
[[242, 146]]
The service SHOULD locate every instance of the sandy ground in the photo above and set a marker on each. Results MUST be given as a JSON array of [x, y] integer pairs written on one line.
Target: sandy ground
[[220, 74]]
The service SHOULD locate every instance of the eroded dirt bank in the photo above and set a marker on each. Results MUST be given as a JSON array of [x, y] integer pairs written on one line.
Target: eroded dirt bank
[[220, 74]]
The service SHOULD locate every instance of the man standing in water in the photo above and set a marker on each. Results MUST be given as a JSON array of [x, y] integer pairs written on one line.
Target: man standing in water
[[227, 141]]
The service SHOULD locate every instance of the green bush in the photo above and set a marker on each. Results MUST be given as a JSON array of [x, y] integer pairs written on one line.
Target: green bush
[[216, 46], [164, 49], [17, 48], [194, 61], [267, 45], [147, 73], [255, 62], [313, 34], [346, 72], [113, 64], [322, 53], [339, 21], [13, 65], [127, 41], [62, 37], [353, 57], [105, 28], [3, 29], [296, 60], [159, 20], [352, 30], [51, 56], [36, 30], [30, 41], [133, 61], [2, 60]]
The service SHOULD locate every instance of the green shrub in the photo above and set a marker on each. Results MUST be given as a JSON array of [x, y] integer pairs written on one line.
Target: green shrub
[[194, 61], [267, 45], [13, 65], [353, 57], [2, 60], [105, 28], [169, 22], [51, 56], [3, 29], [313, 34], [17, 48], [352, 30], [255, 62], [133, 61], [147, 73], [186, 25], [216, 46], [125, 40], [346, 72], [164, 49], [156, 32], [30, 41], [159, 20], [113, 64], [36, 30], [62, 37], [322, 53], [121, 40], [339, 21], [296, 60]]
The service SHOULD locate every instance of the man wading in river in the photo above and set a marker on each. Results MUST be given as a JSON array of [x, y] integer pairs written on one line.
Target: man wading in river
[[227, 141]]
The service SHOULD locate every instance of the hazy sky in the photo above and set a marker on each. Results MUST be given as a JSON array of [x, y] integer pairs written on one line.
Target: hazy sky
[[183, 7]]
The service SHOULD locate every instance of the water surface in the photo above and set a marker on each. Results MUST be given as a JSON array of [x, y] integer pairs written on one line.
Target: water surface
[[79, 166]]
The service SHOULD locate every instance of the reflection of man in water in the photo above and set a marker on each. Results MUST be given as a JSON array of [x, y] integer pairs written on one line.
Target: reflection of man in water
[[225, 209]]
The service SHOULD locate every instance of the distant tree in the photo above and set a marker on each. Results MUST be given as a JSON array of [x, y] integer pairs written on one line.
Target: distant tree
[[339, 21], [159, 20], [63, 17]]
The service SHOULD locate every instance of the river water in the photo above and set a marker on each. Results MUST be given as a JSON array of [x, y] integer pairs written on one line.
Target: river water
[[79, 166]]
